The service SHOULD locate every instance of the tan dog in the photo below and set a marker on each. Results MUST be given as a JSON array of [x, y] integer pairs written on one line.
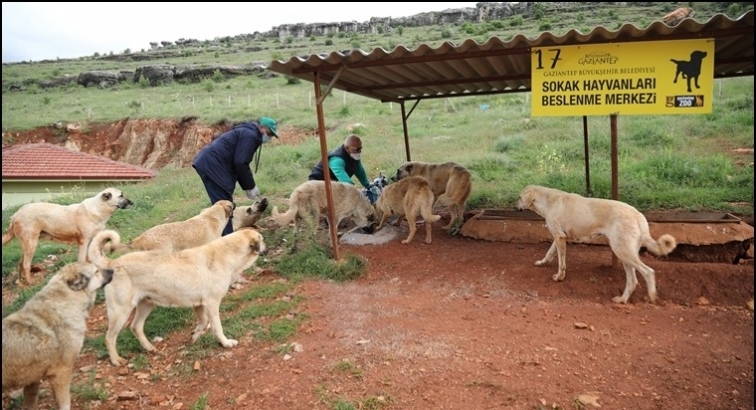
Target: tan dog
[[678, 15], [408, 197], [248, 216], [447, 178], [198, 277], [309, 200], [175, 236], [43, 339], [571, 216], [71, 224]]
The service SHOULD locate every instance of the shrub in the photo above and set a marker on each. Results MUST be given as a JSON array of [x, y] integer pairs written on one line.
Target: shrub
[[329, 42], [217, 76]]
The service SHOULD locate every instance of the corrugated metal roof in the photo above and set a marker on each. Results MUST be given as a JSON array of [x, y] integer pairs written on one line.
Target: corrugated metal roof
[[497, 66], [49, 161]]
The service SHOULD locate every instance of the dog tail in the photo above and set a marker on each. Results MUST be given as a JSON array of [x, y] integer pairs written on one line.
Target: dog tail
[[662, 246], [283, 219], [11, 232], [95, 253]]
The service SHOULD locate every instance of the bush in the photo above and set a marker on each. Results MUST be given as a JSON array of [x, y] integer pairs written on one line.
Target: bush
[[329, 42], [544, 25], [446, 33], [217, 76], [291, 80], [515, 21]]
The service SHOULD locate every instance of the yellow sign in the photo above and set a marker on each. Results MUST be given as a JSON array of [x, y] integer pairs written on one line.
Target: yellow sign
[[655, 77]]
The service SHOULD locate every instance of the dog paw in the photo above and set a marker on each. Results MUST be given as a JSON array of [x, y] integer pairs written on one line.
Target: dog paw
[[619, 299], [558, 277], [230, 343], [118, 361], [539, 263]]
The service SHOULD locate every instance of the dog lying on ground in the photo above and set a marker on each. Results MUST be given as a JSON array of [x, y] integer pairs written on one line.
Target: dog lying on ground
[[174, 236], [676, 16], [309, 200], [198, 277], [571, 216], [248, 216], [691, 69], [71, 224], [43, 339], [408, 197], [447, 178]]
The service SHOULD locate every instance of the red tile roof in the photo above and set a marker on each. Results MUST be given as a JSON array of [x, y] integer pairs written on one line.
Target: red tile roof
[[49, 161]]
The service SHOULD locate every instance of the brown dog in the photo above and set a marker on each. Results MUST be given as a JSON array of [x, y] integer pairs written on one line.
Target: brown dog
[[198, 277], [43, 338], [676, 16], [71, 224], [408, 197], [571, 216], [309, 200], [448, 178], [175, 236]]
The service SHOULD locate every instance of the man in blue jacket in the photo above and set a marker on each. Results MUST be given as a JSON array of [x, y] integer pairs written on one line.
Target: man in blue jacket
[[225, 161], [343, 163]]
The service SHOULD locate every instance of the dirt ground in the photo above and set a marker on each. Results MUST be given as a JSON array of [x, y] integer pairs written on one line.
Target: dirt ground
[[471, 324]]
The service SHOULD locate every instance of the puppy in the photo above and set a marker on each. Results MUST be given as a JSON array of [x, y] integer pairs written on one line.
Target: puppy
[[71, 224], [175, 236], [447, 178], [309, 200], [408, 197], [198, 277], [691, 69], [248, 216], [43, 338], [571, 216]]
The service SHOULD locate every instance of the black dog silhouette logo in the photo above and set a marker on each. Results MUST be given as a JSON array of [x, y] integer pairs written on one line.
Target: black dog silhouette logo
[[691, 69]]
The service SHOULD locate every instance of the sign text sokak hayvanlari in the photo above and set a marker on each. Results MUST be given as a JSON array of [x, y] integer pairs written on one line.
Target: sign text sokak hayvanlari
[[626, 91]]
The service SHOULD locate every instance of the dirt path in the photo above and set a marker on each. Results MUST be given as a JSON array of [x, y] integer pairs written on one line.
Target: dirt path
[[470, 324]]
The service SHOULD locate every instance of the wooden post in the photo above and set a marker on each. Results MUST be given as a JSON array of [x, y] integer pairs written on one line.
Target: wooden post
[[615, 169], [332, 227]]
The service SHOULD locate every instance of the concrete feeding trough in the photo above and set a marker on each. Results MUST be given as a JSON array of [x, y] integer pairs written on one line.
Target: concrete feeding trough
[[701, 236]]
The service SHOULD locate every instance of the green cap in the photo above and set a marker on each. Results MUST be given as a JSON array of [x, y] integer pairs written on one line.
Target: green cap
[[271, 124]]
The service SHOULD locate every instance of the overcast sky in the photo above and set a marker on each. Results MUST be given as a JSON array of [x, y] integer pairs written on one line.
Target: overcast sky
[[38, 31]]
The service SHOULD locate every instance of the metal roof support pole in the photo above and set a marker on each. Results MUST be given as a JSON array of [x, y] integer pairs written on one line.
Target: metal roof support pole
[[615, 168], [404, 126], [587, 161], [326, 170]]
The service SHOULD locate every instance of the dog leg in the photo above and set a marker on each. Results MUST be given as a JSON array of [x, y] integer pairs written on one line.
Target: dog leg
[[117, 317], [428, 229], [630, 283], [83, 247], [31, 395], [561, 244], [412, 230], [28, 246], [202, 322], [213, 310], [61, 387], [143, 309], [549, 255]]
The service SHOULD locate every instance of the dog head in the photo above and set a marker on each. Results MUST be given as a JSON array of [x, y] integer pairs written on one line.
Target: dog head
[[227, 206], [364, 215], [115, 198], [380, 181], [255, 240], [403, 171], [526, 199], [80, 276], [248, 216], [697, 55]]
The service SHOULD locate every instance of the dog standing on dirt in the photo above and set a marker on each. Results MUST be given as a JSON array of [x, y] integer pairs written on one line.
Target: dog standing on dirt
[[408, 197], [571, 216], [70, 224], [248, 216], [309, 200], [447, 178], [175, 236], [198, 277], [43, 339]]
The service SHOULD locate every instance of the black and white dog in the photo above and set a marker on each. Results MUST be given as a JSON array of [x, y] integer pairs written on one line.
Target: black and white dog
[[373, 191]]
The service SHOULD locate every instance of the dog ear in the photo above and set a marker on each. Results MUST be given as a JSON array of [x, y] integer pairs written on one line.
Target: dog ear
[[249, 210], [409, 168], [78, 281], [106, 196]]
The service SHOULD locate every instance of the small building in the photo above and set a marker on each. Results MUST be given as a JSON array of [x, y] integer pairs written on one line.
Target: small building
[[39, 172]]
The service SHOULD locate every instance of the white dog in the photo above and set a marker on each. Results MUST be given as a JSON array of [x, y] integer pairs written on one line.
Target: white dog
[[71, 224], [198, 277], [571, 216]]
